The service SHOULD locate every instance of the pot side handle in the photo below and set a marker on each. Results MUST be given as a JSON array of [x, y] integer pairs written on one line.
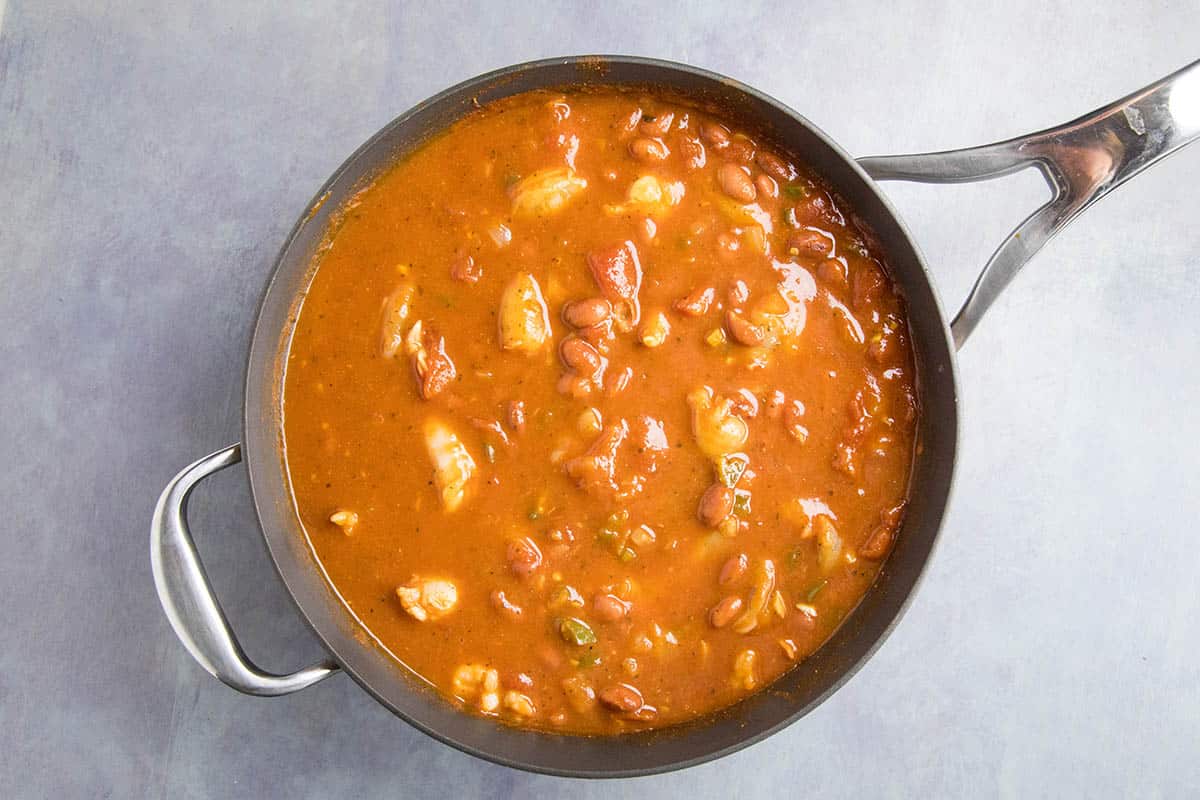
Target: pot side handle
[[1082, 161], [187, 596]]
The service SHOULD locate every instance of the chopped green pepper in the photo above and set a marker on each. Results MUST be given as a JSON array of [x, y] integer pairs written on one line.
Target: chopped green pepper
[[796, 190], [576, 631]]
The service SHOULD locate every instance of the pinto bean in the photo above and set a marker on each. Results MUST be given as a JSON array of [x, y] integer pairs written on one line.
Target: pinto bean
[[880, 541], [740, 149], [810, 243], [724, 612], [621, 697], [697, 303], [715, 135], [733, 569], [650, 151], [463, 268], [610, 608], [524, 557], [580, 356], [584, 313], [868, 285], [775, 166], [597, 335], [766, 186], [692, 151], [833, 272], [735, 181], [659, 126], [743, 331], [715, 504]]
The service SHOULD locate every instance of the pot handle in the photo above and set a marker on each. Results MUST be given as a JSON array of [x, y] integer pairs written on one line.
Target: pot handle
[[187, 596], [1082, 161]]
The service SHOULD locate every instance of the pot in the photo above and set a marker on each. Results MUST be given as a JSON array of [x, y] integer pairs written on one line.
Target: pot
[[1081, 161]]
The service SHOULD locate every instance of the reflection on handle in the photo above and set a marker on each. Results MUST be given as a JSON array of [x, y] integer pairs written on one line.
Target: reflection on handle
[[1082, 161], [187, 597]]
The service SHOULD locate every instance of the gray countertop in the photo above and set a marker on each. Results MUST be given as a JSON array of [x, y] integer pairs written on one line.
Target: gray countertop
[[153, 161]]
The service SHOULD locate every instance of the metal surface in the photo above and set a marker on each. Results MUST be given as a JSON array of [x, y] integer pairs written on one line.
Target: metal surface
[[187, 597], [1082, 161], [1078, 181]]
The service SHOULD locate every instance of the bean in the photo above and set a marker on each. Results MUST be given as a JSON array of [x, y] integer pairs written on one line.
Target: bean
[[697, 303], [580, 356], [715, 134], [658, 126], [643, 714], [810, 243], [735, 181], [832, 271], [649, 150], [880, 540], [739, 292], [505, 606], [743, 331], [775, 166], [766, 185], [740, 149], [693, 153], [523, 557], [610, 608], [715, 504], [583, 313], [596, 335], [463, 268], [723, 612], [621, 697], [733, 569], [868, 284]]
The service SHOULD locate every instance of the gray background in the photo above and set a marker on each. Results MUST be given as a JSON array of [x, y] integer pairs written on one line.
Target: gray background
[[151, 162]]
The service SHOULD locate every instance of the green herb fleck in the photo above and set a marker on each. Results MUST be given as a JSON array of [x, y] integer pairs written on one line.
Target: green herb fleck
[[815, 589], [796, 191], [576, 631], [534, 515], [587, 660]]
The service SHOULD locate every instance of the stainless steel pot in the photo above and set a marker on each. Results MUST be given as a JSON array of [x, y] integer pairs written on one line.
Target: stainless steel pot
[[1081, 161]]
